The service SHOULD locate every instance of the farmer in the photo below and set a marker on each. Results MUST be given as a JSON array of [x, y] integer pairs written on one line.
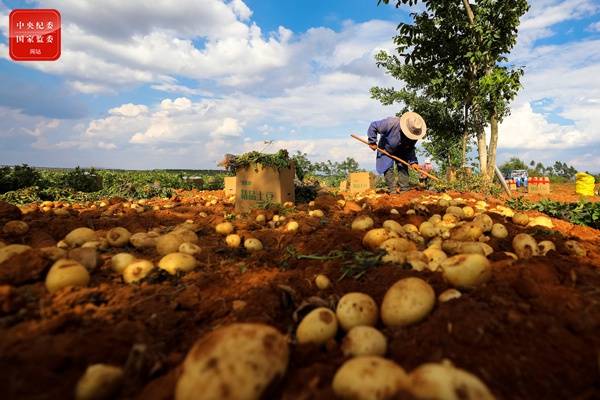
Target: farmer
[[398, 136]]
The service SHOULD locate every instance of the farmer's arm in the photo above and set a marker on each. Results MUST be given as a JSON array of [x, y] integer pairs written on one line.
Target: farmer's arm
[[376, 128], [411, 157]]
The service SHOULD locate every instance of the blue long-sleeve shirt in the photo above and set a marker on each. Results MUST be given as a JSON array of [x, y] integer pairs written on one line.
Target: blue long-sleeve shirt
[[392, 140]]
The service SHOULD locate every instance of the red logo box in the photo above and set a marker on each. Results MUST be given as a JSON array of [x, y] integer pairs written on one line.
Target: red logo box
[[34, 35]]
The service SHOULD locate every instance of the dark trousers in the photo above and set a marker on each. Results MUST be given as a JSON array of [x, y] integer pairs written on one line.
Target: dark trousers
[[402, 181]]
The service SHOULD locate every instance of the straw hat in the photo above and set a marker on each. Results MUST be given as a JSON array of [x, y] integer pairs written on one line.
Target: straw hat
[[413, 125]]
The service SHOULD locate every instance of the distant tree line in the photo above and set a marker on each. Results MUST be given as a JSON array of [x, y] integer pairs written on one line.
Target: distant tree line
[[559, 170]]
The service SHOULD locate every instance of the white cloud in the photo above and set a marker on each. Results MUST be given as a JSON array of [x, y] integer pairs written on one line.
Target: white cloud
[[594, 27], [129, 110], [229, 127]]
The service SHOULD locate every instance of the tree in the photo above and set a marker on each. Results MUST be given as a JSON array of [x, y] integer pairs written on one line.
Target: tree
[[455, 53], [513, 164]]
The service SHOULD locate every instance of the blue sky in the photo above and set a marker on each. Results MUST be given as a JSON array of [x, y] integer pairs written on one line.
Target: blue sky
[[166, 86]]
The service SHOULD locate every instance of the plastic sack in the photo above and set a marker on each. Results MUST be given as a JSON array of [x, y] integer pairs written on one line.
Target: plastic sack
[[584, 185]]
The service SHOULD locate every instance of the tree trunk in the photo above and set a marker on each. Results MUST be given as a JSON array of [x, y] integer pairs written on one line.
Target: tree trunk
[[482, 150], [493, 145]]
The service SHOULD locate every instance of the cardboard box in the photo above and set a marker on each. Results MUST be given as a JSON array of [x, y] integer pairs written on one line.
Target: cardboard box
[[361, 182], [230, 185], [257, 184], [344, 186]]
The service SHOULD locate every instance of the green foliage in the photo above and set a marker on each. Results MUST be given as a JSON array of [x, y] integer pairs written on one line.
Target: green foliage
[[559, 172], [468, 183], [582, 213], [83, 180], [18, 177], [281, 159]]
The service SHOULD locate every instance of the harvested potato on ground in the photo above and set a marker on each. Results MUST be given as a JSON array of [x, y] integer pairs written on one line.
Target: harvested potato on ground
[[137, 270], [142, 240], [189, 248], [316, 214], [435, 257], [520, 219], [86, 256], [318, 326], [356, 309], [187, 235], [448, 295], [398, 244], [100, 382], [393, 226], [410, 228], [362, 223], [292, 226], [224, 228], [456, 211], [499, 231], [397, 257], [369, 378], [175, 262], [364, 341], [467, 270], [484, 221], [53, 253], [471, 231], [575, 248], [169, 243], [233, 240], [408, 301], [64, 273], [322, 282], [468, 211], [375, 237], [238, 361], [525, 246], [417, 260], [444, 381], [545, 246], [120, 261], [428, 230], [11, 250], [541, 221], [253, 244], [261, 219], [454, 247], [118, 237], [15, 228], [451, 219], [79, 236]]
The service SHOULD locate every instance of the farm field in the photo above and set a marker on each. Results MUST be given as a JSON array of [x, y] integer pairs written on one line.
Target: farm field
[[530, 331]]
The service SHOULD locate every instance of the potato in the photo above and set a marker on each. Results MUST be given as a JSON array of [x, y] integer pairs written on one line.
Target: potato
[[322, 282], [444, 381], [316, 214], [364, 341], [168, 243], [468, 211], [375, 237], [435, 243], [100, 382], [142, 240], [451, 219], [520, 219], [484, 221], [393, 226], [466, 270], [224, 228], [318, 326], [448, 295], [238, 361], [53, 253], [189, 248], [260, 218], [411, 212], [443, 203], [362, 223], [417, 260], [397, 244], [187, 235], [175, 262], [575, 248], [396, 257], [86, 256], [410, 228], [137, 270], [369, 378], [545, 246], [233, 240], [253, 244], [454, 247], [292, 226], [435, 257], [468, 232], [499, 231], [428, 230], [7, 252], [356, 309], [118, 237], [79, 236], [393, 211], [454, 210], [408, 301], [525, 246], [120, 261], [16, 228], [64, 273], [541, 221]]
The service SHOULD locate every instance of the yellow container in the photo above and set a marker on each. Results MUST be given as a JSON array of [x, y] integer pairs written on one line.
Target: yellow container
[[584, 185]]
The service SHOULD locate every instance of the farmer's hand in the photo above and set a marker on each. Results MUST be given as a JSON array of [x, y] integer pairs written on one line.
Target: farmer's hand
[[415, 166], [373, 146]]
